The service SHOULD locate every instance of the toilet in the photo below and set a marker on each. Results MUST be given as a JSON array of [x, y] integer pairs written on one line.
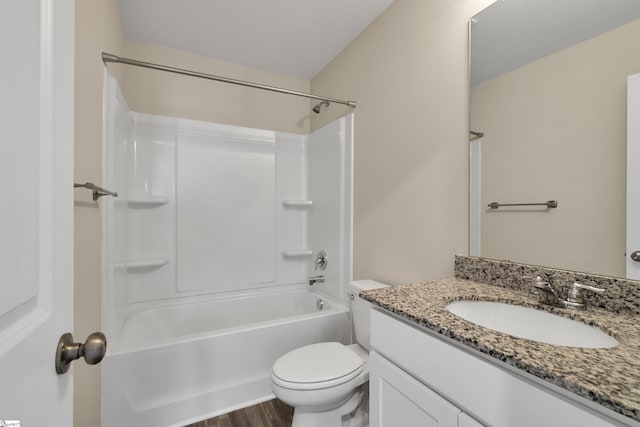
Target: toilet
[[328, 383]]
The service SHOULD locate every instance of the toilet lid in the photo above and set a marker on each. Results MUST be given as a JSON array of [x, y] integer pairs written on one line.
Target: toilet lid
[[317, 366]]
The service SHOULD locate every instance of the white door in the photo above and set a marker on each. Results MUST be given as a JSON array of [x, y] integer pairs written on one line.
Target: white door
[[633, 177], [36, 215]]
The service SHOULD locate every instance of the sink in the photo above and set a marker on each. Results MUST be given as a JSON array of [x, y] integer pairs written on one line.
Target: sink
[[531, 324]]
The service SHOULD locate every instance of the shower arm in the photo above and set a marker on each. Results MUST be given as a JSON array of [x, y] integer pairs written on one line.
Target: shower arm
[[107, 57]]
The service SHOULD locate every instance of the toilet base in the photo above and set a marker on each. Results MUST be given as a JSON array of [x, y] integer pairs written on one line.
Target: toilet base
[[354, 412]]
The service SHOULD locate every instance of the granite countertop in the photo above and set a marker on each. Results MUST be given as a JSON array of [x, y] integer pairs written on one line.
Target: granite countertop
[[610, 377]]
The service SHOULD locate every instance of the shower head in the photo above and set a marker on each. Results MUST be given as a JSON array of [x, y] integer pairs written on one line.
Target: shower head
[[316, 109]]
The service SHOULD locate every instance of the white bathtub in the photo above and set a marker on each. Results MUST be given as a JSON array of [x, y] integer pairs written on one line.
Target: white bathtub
[[179, 363]]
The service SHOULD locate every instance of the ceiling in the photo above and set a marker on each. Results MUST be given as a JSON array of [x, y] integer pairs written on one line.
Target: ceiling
[[293, 37], [512, 33]]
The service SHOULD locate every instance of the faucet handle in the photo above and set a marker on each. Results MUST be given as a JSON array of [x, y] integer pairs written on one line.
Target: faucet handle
[[541, 283], [577, 285], [577, 292]]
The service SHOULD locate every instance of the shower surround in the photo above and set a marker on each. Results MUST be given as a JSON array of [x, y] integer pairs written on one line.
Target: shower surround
[[206, 254]]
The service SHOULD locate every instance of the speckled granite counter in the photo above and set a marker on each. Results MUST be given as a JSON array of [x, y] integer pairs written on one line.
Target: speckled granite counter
[[610, 377]]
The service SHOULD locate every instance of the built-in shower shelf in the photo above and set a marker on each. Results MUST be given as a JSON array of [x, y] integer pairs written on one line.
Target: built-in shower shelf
[[297, 203], [291, 253], [145, 200], [141, 263]]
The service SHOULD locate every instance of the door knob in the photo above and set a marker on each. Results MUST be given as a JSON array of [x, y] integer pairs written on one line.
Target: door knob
[[93, 350], [635, 256]]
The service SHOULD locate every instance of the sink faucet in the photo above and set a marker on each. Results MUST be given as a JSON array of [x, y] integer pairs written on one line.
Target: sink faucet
[[316, 279], [547, 294]]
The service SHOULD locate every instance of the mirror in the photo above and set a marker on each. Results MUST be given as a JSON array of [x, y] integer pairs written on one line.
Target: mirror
[[548, 90]]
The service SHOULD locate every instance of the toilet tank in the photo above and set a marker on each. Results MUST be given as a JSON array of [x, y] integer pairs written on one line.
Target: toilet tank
[[360, 310]]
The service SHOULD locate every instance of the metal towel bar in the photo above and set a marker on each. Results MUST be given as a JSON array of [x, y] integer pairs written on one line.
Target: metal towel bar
[[97, 191], [550, 204]]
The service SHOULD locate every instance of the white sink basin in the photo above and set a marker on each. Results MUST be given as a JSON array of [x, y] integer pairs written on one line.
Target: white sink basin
[[532, 324]]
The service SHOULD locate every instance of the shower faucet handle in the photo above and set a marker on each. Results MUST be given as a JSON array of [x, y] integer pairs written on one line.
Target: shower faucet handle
[[321, 261]]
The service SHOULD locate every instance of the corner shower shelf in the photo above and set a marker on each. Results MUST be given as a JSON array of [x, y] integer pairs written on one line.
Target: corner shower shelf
[[142, 263], [297, 253], [145, 200], [297, 203]]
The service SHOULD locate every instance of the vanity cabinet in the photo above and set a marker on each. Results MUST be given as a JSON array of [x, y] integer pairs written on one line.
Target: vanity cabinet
[[418, 378], [404, 401]]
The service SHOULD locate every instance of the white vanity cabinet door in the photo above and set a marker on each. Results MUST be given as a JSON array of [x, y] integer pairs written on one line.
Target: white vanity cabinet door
[[401, 400]]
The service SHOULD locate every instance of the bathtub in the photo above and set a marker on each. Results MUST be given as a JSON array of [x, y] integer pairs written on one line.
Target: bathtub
[[177, 363]]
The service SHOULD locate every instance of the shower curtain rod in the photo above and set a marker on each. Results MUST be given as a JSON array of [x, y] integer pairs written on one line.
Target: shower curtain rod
[[107, 57]]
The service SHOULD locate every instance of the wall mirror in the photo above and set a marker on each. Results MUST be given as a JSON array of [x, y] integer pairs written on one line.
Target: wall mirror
[[549, 92]]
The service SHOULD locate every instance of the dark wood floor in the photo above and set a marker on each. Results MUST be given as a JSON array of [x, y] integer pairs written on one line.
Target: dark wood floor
[[273, 413]]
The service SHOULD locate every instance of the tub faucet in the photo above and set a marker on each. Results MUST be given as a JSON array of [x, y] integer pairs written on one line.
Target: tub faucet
[[316, 279], [547, 294]]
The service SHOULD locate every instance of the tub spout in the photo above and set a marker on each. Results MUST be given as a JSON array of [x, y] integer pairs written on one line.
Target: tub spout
[[316, 279]]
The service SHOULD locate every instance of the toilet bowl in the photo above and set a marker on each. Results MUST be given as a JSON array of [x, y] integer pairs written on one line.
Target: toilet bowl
[[327, 383]]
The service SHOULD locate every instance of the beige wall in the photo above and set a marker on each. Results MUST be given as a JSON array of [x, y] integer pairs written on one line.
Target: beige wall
[[167, 94], [97, 29], [556, 129], [408, 72]]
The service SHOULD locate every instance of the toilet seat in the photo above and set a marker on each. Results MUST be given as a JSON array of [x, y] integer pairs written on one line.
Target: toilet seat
[[317, 366]]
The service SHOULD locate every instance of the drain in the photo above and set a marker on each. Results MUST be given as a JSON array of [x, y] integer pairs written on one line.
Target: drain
[[320, 304]]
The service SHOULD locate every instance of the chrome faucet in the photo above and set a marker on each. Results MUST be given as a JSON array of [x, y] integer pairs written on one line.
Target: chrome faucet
[[316, 279], [547, 294]]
